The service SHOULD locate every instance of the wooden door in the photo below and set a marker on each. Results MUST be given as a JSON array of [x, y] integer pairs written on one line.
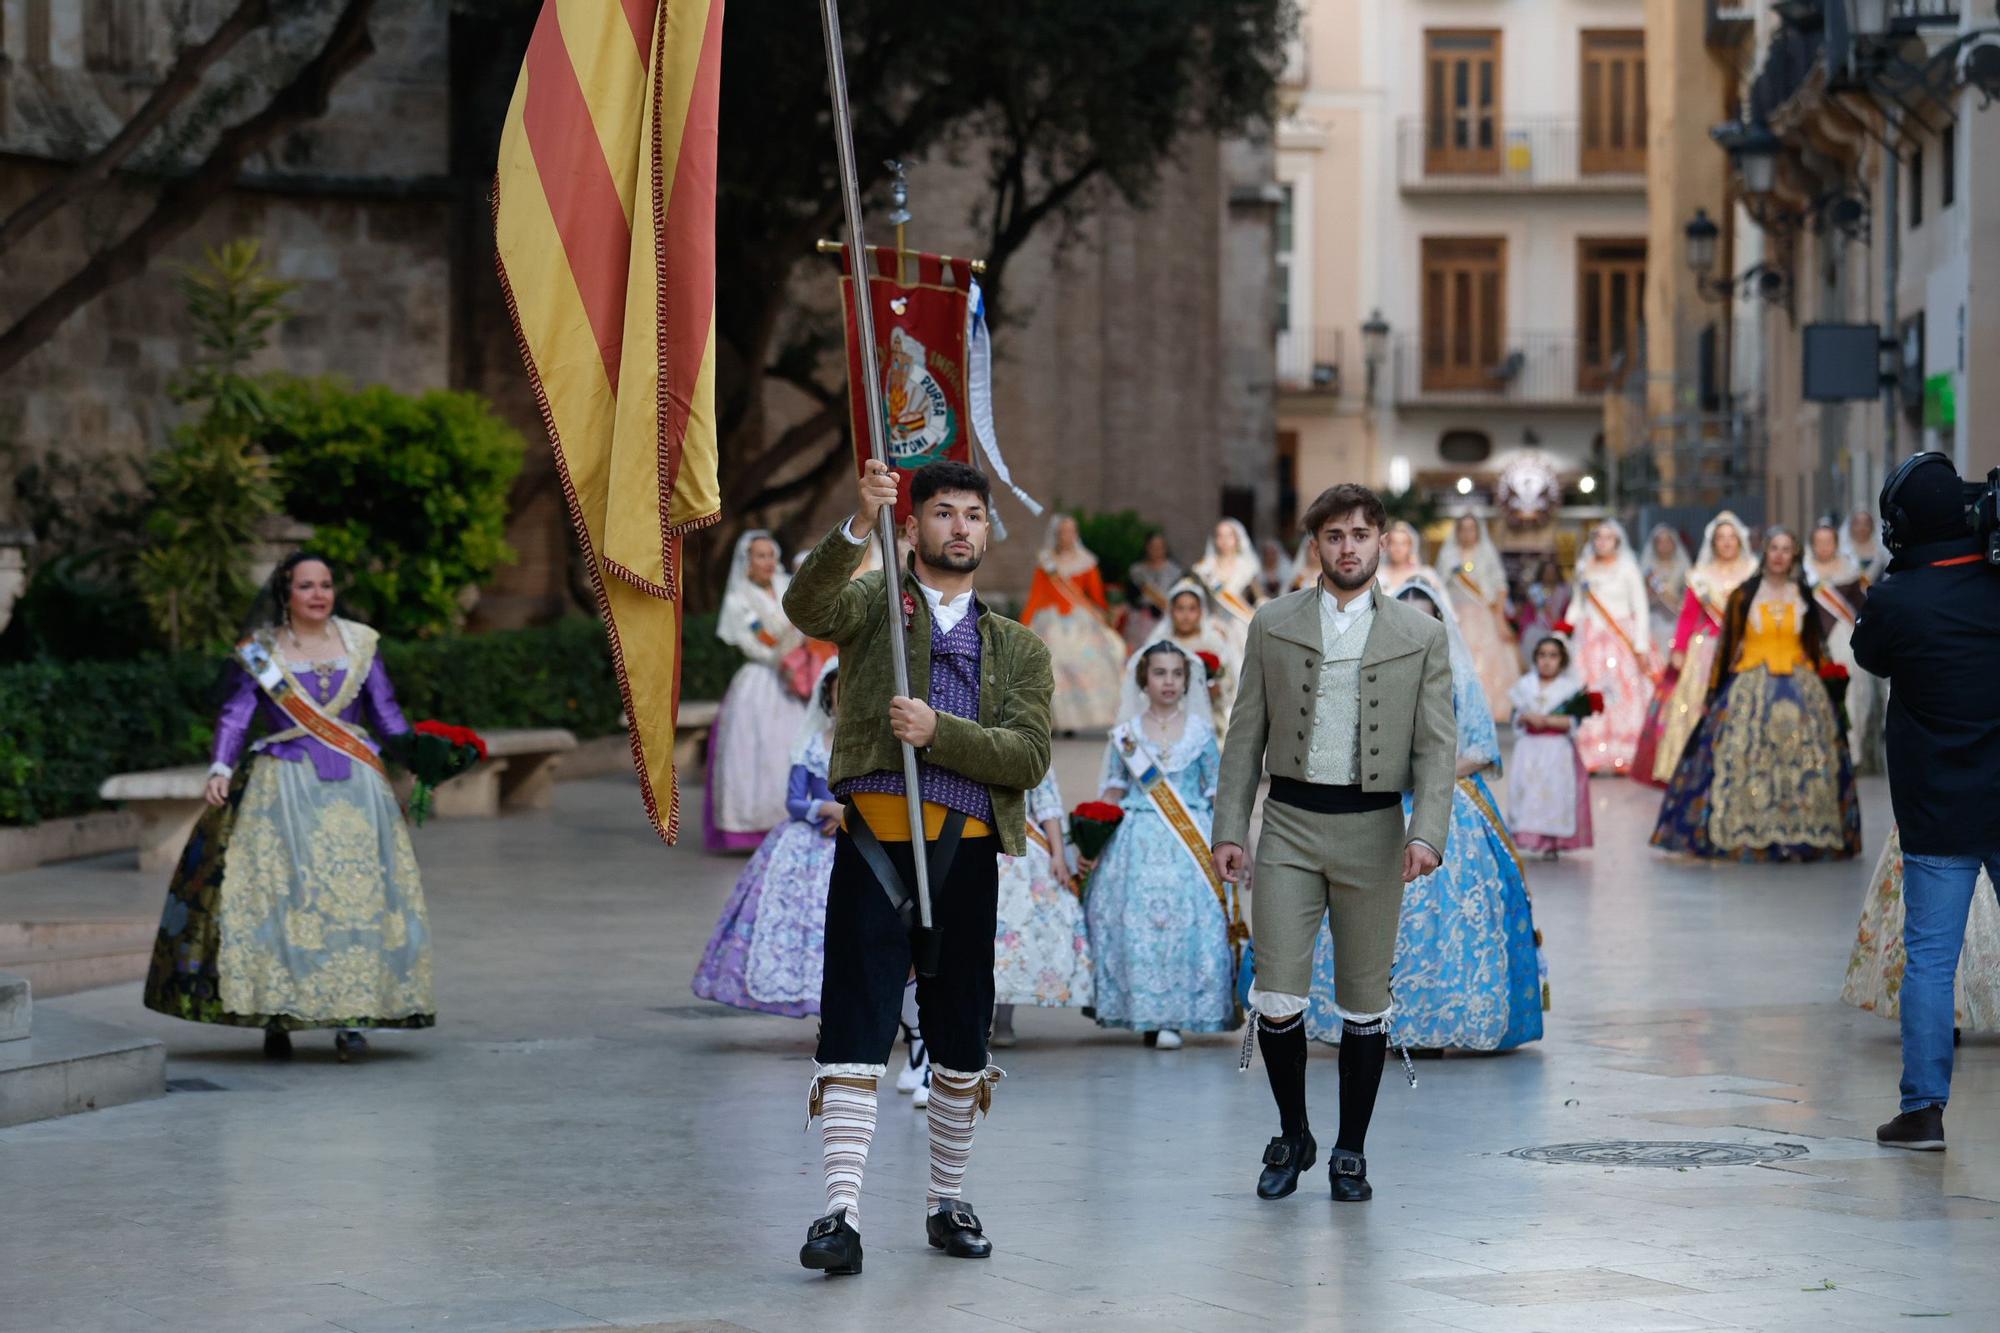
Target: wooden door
[[1613, 97], [1464, 312], [1462, 101], [1611, 290]]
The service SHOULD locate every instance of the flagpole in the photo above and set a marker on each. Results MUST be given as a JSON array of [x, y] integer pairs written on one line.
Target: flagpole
[[924, 945]]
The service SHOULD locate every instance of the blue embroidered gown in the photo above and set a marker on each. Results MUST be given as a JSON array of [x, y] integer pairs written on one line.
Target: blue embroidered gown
[[1467, 972], [1158, 937]]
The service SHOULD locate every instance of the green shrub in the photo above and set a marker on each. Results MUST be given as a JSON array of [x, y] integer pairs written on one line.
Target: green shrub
[[408, 495], [1117, 538]]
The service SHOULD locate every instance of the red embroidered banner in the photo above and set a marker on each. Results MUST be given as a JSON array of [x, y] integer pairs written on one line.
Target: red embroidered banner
[[920, 336]]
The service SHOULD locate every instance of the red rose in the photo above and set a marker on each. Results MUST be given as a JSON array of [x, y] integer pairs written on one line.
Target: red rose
[[1102, 811], [1596, 702], [1211, 664], [1832, 671], [1562, 627]]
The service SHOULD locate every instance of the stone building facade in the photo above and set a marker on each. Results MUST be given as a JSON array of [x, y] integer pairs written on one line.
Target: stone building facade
[[1136, 370]]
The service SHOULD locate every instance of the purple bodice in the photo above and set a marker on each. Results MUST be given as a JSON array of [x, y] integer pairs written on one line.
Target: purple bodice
[[374, 708], [954, 690]]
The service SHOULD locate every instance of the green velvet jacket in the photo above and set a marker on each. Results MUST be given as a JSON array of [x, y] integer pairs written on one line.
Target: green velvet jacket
[[1007, 748]]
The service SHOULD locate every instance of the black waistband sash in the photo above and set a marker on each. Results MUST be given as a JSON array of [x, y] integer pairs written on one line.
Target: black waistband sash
[[1322, 799]]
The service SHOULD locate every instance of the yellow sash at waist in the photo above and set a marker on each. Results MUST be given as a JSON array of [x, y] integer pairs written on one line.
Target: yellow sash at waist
[[888, 817]]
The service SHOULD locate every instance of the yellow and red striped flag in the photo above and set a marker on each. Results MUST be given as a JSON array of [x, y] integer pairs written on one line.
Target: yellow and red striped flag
[[604, 217]]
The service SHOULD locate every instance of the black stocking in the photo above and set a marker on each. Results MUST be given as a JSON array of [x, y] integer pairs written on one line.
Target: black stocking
[[1283, 1042], [1363, 1051]]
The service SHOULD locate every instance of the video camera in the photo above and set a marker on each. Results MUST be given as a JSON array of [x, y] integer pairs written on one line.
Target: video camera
[[1979, 499]]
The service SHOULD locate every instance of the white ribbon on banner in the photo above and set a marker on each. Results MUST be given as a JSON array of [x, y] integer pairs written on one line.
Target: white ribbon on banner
[[979, 351]]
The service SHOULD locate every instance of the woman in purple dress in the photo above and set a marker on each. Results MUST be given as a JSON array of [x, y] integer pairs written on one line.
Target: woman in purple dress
[[296, 903], [768, 949]]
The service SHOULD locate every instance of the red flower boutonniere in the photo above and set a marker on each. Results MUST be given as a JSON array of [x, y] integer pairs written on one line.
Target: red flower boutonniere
[[909, 610]]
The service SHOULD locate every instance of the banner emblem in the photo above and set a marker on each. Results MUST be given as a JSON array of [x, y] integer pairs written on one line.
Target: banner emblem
[[922, 425]]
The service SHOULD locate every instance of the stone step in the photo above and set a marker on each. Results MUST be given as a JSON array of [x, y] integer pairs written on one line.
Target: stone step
[[72, 1064], [16, 1006], [63, 957]]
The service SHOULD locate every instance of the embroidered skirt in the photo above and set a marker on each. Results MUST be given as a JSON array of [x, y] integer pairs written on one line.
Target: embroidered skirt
[[296, 904], [1876, 965], [768, 951], [1041, 944], [1765, 777]]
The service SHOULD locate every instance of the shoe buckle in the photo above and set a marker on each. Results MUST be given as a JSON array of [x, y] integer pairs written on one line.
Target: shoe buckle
[[962, 1218], [1349, 1166], [824, 1227], [1279, 1153]]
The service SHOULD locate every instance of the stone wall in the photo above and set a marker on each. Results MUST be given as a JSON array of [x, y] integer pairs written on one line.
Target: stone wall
[[1134, 369]]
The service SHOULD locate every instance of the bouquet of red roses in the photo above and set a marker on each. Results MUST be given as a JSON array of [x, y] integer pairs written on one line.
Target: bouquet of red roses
[[434, 752], [1212, 664], [1834, 676], [1582, 704], [1091, 825]]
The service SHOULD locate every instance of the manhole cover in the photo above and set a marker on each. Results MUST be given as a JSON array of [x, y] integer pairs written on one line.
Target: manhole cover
[[1629, 1152]]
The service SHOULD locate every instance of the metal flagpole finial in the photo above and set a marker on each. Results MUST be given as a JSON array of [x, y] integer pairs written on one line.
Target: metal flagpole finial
[[899, 193]]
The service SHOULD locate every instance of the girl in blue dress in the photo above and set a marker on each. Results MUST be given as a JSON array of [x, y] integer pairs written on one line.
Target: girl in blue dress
[[1468, 972], [1159, 938]]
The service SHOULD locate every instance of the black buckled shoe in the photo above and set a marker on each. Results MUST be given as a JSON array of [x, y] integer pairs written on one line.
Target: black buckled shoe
[[832, 1246], [1350, 1177], [954, 1228], [1285, 1160]]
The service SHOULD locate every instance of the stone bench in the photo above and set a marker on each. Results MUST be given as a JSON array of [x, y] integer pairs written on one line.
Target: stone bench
[[517, 774], [168, 802]]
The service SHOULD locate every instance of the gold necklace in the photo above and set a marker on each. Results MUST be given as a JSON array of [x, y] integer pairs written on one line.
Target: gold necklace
[[322, 670]]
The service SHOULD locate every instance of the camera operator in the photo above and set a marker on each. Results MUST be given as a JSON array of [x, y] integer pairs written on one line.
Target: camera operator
[[1932, 627]]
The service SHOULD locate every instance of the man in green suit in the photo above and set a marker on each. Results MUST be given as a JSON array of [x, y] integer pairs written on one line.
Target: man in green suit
[[978, 717], [1345, 699]]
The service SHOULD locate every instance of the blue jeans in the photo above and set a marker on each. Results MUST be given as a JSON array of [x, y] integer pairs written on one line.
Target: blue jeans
[[1937, 898]]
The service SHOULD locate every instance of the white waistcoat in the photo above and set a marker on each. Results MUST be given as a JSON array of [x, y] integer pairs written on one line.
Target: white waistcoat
[[1334, 756]]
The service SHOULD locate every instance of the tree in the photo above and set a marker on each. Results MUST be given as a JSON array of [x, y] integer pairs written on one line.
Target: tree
[[212, 488], [185, 196], [1057, 98]]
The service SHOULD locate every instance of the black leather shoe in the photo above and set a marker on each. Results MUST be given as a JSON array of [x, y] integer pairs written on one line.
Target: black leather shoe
[[1921, 1130], [1285, 1160], [277, 1044], [955, 1229], [1350, 1177], [832, 1246]]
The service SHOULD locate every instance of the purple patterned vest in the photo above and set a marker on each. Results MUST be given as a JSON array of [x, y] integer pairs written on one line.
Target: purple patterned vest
[[955, 690]]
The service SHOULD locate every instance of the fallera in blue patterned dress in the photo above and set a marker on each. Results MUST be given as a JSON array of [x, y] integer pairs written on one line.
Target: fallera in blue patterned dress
[[1468, 974], [1159, 940]]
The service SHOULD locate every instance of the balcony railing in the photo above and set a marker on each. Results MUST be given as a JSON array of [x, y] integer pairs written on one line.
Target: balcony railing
[[1521, 155], [1309, 361], [1909, 15], [1527, 370]]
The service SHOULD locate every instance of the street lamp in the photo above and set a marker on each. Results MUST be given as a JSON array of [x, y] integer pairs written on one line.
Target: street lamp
[[1756, 155], [1374, 345], [1702, 234]]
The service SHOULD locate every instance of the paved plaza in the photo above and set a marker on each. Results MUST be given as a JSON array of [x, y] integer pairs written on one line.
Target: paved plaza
[[582, 1143]]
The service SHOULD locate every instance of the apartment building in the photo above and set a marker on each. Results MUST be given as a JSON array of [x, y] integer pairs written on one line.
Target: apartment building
[[1462, 241]]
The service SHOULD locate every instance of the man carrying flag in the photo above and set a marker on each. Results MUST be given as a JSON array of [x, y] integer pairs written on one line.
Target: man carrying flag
[[604, 221], [978, 714]]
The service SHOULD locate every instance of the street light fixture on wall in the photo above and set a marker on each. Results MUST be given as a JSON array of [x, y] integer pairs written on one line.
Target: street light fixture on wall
[[1374, 347], [1760, 279]]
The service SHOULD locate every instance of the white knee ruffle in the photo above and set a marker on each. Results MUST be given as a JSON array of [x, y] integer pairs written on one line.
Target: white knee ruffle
[[1277, 1004]]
